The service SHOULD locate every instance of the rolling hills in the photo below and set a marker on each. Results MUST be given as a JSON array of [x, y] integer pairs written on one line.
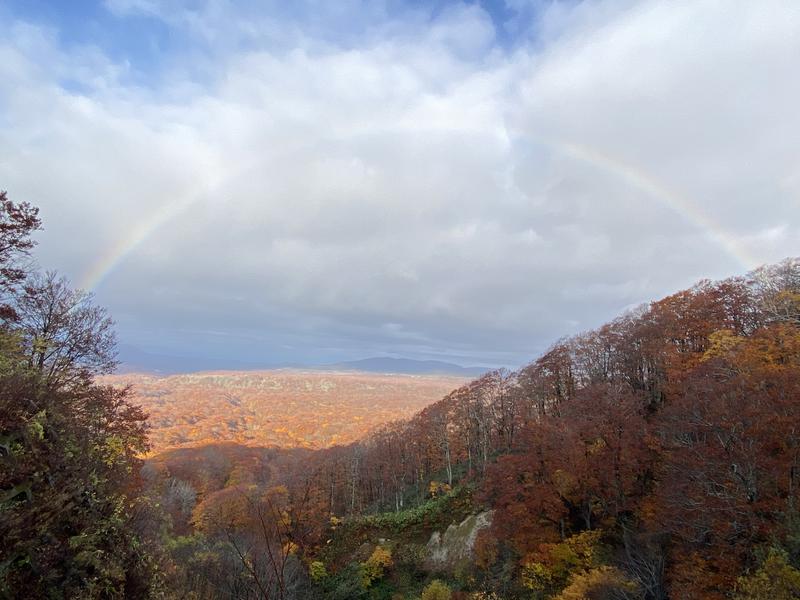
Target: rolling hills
[[284, 408]]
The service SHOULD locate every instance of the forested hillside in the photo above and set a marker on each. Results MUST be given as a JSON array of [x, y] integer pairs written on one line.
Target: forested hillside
[[655, 457]]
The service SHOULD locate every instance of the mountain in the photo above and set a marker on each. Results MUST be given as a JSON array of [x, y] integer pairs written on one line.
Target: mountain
[[406, 366], [135, 360]]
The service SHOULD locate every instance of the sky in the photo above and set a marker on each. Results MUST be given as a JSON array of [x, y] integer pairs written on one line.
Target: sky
[[309, 182]]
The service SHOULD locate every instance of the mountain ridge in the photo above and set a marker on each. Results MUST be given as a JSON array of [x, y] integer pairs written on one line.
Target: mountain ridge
[[136, 361], [406, 366]]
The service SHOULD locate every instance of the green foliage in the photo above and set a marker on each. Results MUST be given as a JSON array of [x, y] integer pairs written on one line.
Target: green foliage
[[67, 455], [410, 528], [345, 585], [317, 571], [409, 554], [36, 425], [791, 541], [436, 590], [775, 579], [432, 514]]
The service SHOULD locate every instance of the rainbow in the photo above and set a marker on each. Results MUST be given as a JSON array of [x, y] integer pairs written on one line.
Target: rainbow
[[144, 230], [630, 174], [643, 181]]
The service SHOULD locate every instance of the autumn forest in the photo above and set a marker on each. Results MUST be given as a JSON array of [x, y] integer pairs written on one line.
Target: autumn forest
[[655, 457]]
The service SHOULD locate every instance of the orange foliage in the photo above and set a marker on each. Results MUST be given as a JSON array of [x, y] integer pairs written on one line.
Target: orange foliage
[[276, 408]]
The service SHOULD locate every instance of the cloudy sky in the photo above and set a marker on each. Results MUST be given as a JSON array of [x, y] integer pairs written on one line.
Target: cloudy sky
[[317, 181]]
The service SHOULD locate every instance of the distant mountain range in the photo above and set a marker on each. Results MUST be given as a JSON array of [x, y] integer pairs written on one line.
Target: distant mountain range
[[134, 360], [407, 366]]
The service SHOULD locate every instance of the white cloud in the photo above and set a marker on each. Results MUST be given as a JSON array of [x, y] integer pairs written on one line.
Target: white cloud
[[406, 184]]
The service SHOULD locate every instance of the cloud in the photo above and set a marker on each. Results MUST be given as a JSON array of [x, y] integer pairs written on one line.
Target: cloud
[[377, 178]]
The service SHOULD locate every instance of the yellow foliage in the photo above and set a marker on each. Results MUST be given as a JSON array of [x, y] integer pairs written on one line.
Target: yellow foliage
[[436, 590], [113, 450], [290, 548], [317, 570], [601, 582], [537, 576], [776, 579], [229, 507], [436, 487], [721, 343], [564, 482], [375, 566], [553, 565], [240, 475], [596, 446]]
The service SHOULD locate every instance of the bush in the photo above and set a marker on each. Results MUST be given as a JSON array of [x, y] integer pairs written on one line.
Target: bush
[[375, 566], [317, 570], [344, 585], [436, 590]]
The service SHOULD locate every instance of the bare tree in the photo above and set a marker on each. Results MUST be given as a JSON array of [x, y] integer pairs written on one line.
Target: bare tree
[[67, 338], [777, 288]]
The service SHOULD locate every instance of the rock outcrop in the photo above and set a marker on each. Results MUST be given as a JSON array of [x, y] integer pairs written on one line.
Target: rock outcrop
[[447, 552]]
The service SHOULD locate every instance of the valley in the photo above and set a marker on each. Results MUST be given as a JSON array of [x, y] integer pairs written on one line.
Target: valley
[[281, 408]]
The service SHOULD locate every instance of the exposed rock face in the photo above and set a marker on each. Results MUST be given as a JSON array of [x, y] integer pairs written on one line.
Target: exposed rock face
[[456, 547]]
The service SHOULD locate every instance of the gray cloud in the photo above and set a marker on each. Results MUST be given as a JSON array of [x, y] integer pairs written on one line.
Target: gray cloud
[[409, 185]]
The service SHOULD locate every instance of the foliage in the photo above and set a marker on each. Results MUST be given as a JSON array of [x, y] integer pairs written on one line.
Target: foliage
[[317, 570], [653, 457], [775, 579], [17, 222], [375, 566], [197, 409], [601, 582], [436, 590], [551, 566], [69, 448], [436, 488], [431, 513], [68, 463]]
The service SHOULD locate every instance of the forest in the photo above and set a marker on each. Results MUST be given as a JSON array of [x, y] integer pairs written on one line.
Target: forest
[[287, 408], [655, 457]]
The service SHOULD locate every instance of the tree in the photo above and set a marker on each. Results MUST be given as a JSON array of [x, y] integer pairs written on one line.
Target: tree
[[67, 491], [17, 222], [68, 448], [775, 579], [436, 590], [67, 337]]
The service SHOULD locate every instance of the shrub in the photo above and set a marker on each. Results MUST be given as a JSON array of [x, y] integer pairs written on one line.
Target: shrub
[[375, 566], [317, 570], [436, 590]]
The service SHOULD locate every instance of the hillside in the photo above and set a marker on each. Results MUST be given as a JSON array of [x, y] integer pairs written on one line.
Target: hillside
[[655, 457], [276, 408]]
